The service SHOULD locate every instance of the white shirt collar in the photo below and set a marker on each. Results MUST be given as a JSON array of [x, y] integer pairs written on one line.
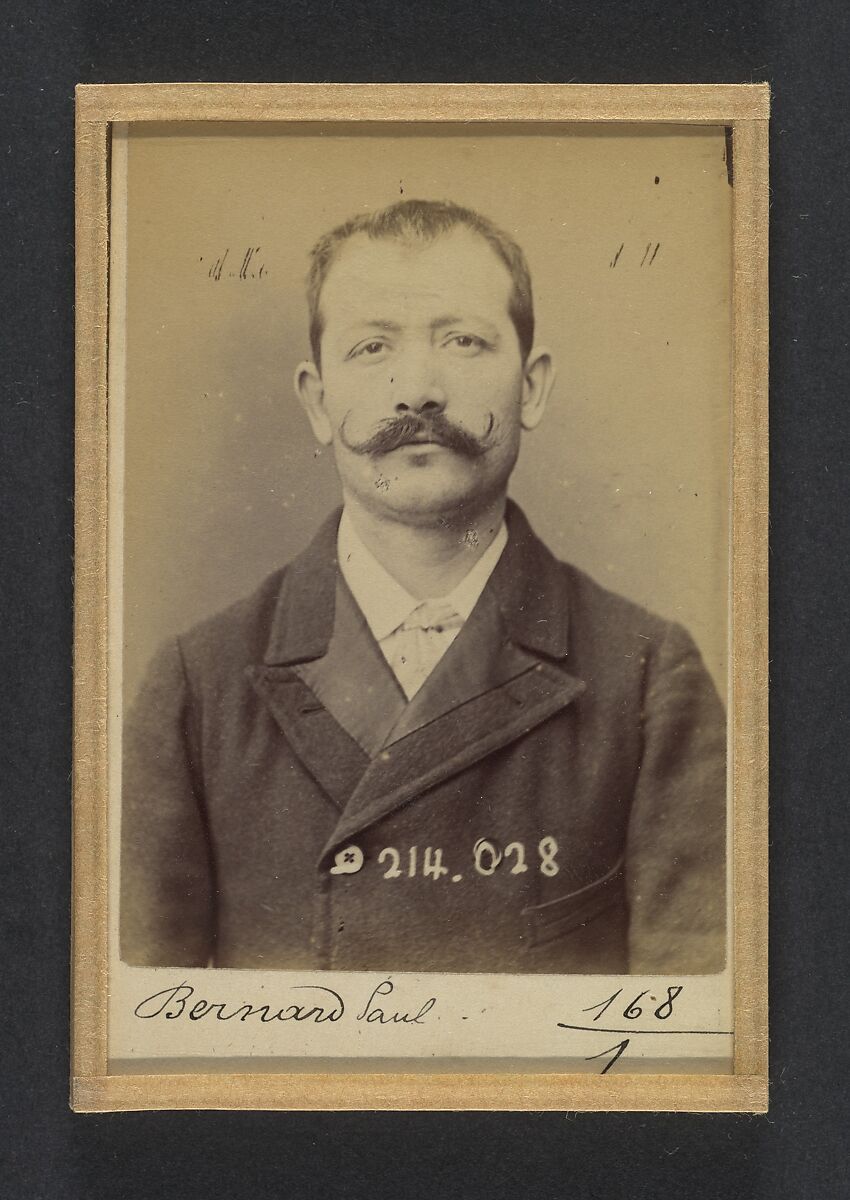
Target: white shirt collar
[[383, 601]]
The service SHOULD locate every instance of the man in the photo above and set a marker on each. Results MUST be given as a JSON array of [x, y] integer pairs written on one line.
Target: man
[[425, 744]]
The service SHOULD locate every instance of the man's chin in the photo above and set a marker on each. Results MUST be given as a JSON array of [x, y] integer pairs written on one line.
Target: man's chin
[[420, 499]]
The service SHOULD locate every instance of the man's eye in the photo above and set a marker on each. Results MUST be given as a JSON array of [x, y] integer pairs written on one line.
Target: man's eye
[[467, 341], [368, 349]]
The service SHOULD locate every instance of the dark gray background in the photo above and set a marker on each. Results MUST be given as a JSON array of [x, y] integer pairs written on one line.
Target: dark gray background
[[799, 1149]]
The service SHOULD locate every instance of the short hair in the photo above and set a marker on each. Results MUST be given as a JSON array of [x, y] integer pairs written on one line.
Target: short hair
[[424, 220]]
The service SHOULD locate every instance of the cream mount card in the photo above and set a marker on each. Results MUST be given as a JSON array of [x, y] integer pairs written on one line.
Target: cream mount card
[[336, 848]]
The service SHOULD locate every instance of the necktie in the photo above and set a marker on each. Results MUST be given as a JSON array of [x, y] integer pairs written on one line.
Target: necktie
[[415, 648], [433, 615]]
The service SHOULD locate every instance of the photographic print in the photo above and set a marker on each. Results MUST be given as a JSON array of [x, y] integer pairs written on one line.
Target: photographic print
[[418, 750]]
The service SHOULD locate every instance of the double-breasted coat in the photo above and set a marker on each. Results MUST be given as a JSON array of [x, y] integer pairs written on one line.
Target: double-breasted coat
[[552, 800]]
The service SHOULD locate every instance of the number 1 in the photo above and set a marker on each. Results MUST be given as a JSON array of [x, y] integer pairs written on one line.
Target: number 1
[[620, 1047], [603, 1005]]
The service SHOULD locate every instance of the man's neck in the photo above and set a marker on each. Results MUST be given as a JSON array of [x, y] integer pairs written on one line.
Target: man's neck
[[427, 560]]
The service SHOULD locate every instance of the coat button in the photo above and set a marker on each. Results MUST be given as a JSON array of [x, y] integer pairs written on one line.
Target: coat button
[[347, 861]]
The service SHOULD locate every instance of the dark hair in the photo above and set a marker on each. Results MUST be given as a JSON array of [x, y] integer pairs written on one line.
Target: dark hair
[[424, 220]]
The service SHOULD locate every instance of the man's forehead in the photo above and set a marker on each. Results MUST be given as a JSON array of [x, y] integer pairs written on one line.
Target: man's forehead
[[460, 263]]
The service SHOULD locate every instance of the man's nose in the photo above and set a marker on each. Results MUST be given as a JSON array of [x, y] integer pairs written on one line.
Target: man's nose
[[418, 390]]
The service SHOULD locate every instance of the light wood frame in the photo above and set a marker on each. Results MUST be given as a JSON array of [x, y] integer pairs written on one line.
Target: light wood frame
[[744, 108]]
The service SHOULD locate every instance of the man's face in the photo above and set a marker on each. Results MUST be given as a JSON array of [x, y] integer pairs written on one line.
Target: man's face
[[422, 392]]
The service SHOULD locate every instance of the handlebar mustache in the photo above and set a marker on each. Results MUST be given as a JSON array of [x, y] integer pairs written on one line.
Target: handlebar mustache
[[395, 432]]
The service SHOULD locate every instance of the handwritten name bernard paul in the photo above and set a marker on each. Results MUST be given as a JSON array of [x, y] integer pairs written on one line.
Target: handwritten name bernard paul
[[315, 1003]]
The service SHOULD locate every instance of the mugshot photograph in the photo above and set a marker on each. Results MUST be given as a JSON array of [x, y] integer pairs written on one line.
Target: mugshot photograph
[[425, 743]]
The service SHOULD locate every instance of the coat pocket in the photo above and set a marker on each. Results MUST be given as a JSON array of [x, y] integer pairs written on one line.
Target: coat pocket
[[555, 918]]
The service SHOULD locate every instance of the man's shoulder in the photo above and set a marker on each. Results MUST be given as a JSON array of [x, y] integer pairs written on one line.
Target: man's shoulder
[[561, 593], [593, 606], [237, 634], [246, 631], [610, 633]]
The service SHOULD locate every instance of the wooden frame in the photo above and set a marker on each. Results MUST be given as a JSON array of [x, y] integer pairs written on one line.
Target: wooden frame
[[745, 109]]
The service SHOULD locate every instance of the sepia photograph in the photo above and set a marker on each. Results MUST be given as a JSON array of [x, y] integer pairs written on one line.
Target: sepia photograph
[[420, 594]]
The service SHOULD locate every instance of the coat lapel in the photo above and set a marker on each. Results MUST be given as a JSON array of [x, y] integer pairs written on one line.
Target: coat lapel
[[455, 741], [328, 752], [480, 659], [301, 632], [504, 674], [353, 680]]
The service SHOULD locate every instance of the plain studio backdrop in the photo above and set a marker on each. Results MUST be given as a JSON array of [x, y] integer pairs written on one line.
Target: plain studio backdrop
[[628, 235]]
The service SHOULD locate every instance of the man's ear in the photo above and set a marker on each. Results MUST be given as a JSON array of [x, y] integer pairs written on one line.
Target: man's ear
[[311, 395], [538, 379]]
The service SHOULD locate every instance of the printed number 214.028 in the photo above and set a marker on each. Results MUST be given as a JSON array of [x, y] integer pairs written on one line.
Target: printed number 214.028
[[487, 858]]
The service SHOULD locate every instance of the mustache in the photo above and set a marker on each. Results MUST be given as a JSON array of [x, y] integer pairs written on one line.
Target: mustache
[[394, 432]]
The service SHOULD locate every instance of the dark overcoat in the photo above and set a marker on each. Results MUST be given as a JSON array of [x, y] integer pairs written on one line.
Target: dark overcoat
[[552, 800]]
